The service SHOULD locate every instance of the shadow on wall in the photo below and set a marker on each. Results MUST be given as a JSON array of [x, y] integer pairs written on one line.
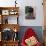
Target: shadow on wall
[[37, 29]]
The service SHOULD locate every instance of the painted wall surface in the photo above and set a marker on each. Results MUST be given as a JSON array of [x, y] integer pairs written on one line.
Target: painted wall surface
[[36, 4], [37, 29], [38, 22]]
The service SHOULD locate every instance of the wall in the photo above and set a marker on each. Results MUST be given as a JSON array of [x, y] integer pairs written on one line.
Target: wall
[[37, 23], [36, 4], [37, 29]]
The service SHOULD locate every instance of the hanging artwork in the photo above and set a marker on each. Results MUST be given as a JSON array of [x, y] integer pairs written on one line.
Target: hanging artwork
[[29, 11]]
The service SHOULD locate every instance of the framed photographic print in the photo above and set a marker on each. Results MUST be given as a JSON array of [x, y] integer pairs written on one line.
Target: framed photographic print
[[5, 12], [13, 12], [29, 11]]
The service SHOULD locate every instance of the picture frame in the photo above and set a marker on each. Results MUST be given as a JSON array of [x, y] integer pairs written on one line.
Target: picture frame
[[29, 11], [13, 12], [5, 12]]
